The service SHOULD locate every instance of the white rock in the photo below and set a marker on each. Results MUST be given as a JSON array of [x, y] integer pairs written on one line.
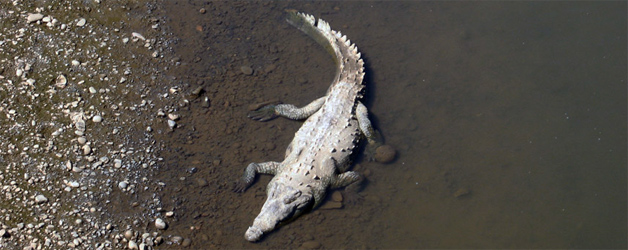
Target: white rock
[[138, 35], [73, 184], [97, 118], [81, 140], [40, 199], [61, 81], [34, 17], [81, 22], [160, 224], [173, 117], [132, 245], [172, 123], [117, 163], [75, 63], [86, 149], [122, 185]]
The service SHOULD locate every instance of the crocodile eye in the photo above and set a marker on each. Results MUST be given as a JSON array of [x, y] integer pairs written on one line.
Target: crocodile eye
[[292, 197]]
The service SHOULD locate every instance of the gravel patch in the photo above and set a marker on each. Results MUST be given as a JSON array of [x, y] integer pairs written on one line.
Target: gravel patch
[[80, 89]]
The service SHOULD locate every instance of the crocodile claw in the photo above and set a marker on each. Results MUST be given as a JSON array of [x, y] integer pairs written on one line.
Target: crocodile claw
[[264, 113], [239, 187]]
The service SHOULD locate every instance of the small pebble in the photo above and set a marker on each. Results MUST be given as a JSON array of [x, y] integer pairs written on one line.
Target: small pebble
[[160, 224], [201, 182], [87, 149], [132, 245], [128, 234], [461, 192], [81, 22], [186, 242], [34, 17], [97, 118], [336, 196], [4, 233], [172, 124], [81, 140], [246, 70], [41, 199], [176, 239], [117, 163], [122, 185], [61, 81], [311, 245], [75, 63]]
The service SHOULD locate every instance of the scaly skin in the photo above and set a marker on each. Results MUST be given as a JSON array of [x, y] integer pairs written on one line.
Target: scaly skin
[[317, 159]]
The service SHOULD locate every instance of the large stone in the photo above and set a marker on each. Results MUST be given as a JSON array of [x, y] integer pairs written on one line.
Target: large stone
[[385, 154]]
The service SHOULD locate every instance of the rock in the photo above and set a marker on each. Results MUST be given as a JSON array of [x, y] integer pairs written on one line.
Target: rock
[[201, 182], [97, 118], [461, 192], [336, 196], [123, 184], [81, 22], [117, 163], [128, 234], [41, 199], [385, 154], [86, 149], [311, 245], [172, 124], [205, 103], [246, 70], [160, 224], [132, 245], [197, 91], [34, 17], [61, 81], [4, 233], [176, 239], [81, 140], [331, 205], [186, 242], [173, 117]]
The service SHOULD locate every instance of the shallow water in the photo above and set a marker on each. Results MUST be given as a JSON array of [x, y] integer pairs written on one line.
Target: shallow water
[[509, 120]]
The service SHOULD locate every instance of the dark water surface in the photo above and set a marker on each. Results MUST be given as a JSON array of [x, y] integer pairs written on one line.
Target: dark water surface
[[509, 119]]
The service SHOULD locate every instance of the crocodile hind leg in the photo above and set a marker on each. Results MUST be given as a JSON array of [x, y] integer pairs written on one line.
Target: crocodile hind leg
[[269, 112], [373, 136], [252, 170]]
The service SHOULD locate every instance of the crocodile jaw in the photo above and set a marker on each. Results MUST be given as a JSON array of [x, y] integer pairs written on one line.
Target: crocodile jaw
[[283, 203]]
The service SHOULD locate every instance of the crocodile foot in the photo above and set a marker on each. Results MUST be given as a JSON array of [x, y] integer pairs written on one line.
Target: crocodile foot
[[264, 113], [239, 187], [374, 142]]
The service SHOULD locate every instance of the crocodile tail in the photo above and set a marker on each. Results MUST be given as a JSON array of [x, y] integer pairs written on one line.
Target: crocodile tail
[[345, 54]]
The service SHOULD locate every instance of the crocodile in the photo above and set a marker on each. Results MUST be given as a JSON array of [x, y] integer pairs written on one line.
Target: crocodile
[[318, 157]]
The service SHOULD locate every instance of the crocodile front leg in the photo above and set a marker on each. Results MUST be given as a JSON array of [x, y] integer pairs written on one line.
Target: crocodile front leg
[[353, 182], [252, 170], [269, 112], [373, 136]]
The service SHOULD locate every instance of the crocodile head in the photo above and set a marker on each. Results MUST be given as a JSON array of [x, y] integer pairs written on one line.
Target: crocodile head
[[283, 203]]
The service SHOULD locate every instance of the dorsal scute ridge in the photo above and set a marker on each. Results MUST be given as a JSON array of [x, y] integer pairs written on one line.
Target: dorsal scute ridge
[[350, 65]]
